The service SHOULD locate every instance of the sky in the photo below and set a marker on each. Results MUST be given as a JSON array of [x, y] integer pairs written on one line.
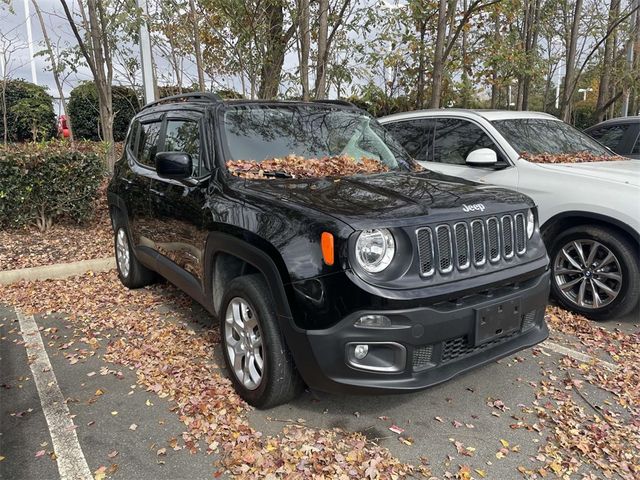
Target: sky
[[13, 26]]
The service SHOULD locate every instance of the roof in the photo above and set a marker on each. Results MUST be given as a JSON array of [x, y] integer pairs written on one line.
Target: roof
[[486, 114], [618, 120], [204, 98]]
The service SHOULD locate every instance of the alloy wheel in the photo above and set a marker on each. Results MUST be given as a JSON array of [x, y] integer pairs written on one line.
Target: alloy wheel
[[123, 256], [587, 273], [243, 341]]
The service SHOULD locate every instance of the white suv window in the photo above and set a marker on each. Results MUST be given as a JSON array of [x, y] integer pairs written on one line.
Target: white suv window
[[455, 139]]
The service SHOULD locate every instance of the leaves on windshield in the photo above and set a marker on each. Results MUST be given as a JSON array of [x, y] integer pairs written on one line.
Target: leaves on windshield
[[576, 157], [300, 167]]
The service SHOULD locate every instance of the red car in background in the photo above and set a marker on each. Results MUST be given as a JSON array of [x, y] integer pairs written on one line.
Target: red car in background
[[63, 127]]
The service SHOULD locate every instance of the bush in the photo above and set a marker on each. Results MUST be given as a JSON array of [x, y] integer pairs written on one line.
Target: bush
[[85, 112], [30, 114], [43, 183]]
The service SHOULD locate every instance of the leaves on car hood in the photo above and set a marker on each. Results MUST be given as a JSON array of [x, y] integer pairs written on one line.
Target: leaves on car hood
[[575, 157], [301, 167]]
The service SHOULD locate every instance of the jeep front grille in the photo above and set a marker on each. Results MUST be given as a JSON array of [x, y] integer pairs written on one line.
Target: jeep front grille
[[464, 244], [425, 250]]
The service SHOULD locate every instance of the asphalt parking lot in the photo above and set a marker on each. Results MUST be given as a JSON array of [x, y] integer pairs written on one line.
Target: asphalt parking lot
[[485, 420]]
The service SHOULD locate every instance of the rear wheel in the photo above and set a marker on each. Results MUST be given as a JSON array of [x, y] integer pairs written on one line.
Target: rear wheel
[[255, 353], [131, 272], [595, 272]]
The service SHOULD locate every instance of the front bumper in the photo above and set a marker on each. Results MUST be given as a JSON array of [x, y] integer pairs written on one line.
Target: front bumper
[[427, 345]]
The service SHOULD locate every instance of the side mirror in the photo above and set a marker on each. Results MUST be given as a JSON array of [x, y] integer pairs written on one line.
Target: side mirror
[[174, 165], [482, 157]]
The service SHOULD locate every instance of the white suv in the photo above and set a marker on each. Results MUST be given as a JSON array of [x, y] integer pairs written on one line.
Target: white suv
[[589, 212]]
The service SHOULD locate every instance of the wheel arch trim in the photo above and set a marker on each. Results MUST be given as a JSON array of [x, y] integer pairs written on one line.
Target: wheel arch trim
[[219, 242], [577, 214]]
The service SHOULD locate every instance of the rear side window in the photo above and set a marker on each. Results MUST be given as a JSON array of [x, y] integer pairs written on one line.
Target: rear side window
[[184, 136], [636, 148], [610, 135], [416, 136], [148, 143], [133, 133]]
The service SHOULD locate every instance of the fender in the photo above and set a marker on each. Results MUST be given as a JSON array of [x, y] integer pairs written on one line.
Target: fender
[[218, 242], [577, 214]]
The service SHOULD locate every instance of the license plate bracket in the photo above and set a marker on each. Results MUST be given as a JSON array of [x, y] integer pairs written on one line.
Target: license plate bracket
[[497, 320]]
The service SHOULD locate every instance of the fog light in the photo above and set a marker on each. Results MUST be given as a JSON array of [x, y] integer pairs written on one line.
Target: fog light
[[373, 321], [361, 351]]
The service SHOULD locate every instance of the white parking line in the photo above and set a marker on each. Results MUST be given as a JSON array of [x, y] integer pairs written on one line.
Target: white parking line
[[71, 462], [581, 357]]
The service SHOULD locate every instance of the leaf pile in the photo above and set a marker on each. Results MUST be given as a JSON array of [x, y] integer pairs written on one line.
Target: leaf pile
[[301, 167], [171, 360], [575, 157], [582, 430]]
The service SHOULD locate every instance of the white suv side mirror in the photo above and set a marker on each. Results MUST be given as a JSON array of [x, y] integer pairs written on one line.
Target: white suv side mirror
[[482, 157]]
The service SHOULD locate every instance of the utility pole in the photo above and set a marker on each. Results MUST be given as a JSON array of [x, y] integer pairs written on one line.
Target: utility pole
[[145, 55], [27, 18]]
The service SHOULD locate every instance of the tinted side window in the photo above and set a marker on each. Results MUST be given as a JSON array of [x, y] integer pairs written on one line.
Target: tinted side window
[[416, 136], [455, 139], [148, 143], [636, 148], [133, 134], [610, 135], [184, 136]]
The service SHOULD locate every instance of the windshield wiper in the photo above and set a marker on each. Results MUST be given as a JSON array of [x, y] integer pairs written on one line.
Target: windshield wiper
[[278, 174]]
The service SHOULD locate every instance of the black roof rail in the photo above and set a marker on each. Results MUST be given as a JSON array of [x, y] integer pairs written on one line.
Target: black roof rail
[[186, 97], [336, 102]]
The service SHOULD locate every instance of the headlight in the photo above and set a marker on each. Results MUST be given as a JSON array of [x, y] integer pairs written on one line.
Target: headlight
[[375, 249], [531, 223]]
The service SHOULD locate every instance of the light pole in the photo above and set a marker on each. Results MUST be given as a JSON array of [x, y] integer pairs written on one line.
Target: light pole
[[584, 91], [145, 55], [511, 104], [27, 19]]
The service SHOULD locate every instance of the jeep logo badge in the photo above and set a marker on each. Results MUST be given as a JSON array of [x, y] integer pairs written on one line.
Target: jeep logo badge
[[476, 207]]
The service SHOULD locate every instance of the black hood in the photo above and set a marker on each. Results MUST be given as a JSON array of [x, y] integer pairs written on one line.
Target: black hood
[[393, 199]]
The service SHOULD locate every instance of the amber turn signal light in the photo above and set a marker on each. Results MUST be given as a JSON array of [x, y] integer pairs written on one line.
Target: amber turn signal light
[[326, 243]]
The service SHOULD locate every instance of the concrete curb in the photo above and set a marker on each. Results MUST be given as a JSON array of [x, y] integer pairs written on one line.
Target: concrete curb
[[58, 270]]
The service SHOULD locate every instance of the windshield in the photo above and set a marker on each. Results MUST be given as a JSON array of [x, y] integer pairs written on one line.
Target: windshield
[[309, 140], [536, 136]]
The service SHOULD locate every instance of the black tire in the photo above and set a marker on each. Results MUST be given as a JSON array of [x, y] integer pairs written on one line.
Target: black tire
[[625, 252], [279, 381], [137, 275]]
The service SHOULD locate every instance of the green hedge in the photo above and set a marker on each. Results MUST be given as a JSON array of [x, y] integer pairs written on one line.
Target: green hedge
[[85, 114], [43, 183], [29, 112]]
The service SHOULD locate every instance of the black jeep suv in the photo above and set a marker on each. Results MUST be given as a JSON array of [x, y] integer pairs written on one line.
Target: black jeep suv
[[329, 257]]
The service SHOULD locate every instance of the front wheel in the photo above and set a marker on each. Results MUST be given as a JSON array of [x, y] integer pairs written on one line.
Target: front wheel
[[255, 353], [595, 272]]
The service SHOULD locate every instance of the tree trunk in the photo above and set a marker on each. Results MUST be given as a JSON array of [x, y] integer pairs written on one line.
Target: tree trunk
[[466, 67], [494, 67], [304, 34], [569, 79], [321, 63], [421, 67], [196, 46], [54, 67], [438, 56], [4, 110], [276, 45], [604, 89]]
